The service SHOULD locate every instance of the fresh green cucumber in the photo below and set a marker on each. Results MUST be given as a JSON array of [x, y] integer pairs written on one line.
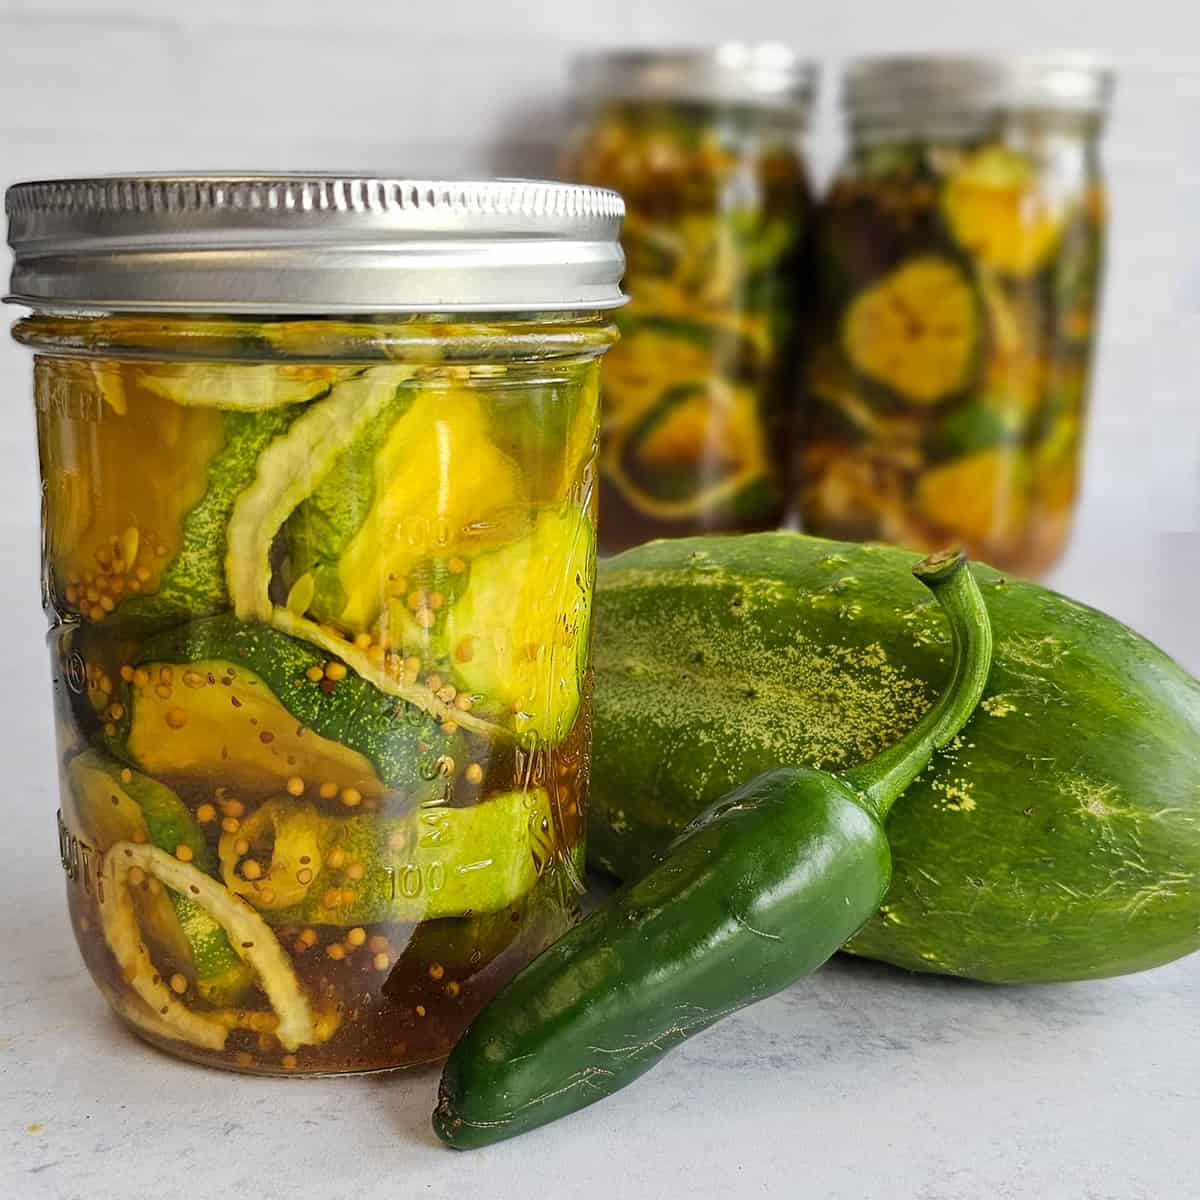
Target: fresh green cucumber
[[1058, 838]]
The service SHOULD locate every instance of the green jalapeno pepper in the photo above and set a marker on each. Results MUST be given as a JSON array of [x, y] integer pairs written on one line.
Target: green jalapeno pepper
[[759, 891]]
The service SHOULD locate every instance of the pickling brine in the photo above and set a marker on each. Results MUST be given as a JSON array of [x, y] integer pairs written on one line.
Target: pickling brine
[[320, 626]]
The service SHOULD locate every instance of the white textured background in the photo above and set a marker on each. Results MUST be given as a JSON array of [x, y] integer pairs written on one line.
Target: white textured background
[[865, 1084], [478, 85]]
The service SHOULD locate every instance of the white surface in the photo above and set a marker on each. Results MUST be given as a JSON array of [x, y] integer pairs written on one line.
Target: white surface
[[864, 1083], [861, 1083]]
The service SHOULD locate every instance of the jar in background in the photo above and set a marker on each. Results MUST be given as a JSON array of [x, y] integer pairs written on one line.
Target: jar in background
[[318, 511], [957, 260], [704, 148]]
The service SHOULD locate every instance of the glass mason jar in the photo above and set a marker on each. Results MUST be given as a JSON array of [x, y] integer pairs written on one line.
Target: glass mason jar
[[957, 266], [318, 510], [704, 148]]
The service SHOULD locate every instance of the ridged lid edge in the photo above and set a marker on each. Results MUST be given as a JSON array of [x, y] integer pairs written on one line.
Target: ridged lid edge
[[126, 194], [313, 242], [767, 75], [886, 87]]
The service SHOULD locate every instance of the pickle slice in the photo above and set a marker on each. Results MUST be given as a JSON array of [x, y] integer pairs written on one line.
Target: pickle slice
[[375, 483], [517, 637], [247, 707], [108, 803], [239, 387], [210, 722], [982, 496], [699, 444], [288, 471], [646, 360], [194, 584], [256, 945], [916, 331], [435, 861], [997, 211], [122, 471], [438, 486]]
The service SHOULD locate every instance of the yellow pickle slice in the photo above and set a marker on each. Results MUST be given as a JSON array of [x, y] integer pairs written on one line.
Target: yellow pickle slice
[[916, 331], [248, 933]]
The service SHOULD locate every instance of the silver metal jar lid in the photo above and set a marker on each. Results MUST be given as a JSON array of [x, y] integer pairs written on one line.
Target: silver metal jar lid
[[313, 243], [765, 76], [890, 87]]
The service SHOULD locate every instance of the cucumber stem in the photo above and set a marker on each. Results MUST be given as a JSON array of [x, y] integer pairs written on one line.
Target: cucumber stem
[[880, 780]]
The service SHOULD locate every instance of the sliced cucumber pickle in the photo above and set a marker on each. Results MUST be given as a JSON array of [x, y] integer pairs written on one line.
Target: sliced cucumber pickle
[[107, 803], [996, 211], [435, 861], [699, 444], [247, 707], [427, 483], [238, 387], [517, 638], [120, 483], [923, 358]]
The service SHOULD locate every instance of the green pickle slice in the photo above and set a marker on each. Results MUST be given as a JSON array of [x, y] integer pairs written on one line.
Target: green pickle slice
[[193, 584], [239, 387], [553, 434], [699, 446], [168, 1014], [108, 804], [652, 356], [289, 470], [139, 508], [253, 707], [318, 532], [293, 465], [434, 861], [426, 481], [517, 638], [916, 331], [997, 210], [119, 483]]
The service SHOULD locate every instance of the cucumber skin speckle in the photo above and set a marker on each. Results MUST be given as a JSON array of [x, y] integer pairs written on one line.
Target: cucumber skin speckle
[[1057, 838]]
